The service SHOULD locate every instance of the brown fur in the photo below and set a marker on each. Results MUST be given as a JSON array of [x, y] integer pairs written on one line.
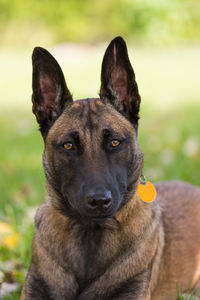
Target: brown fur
[[145, 249]]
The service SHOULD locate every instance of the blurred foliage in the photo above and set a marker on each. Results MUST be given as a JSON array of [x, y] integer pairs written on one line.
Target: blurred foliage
[[9, 238], [93, 20]]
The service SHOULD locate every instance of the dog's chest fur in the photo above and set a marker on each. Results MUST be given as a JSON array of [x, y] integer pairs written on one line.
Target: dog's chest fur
[[86, 256]]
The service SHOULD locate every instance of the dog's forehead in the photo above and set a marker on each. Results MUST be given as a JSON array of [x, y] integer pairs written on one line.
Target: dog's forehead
[[90, 114]]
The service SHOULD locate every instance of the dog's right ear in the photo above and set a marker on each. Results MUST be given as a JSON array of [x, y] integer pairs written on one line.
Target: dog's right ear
[[118, 84], [50, 92]]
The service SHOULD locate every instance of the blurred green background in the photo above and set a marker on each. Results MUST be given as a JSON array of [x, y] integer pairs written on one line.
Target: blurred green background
[[163, 39]]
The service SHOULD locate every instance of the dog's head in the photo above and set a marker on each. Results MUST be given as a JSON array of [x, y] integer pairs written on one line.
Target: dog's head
[[92, 160]]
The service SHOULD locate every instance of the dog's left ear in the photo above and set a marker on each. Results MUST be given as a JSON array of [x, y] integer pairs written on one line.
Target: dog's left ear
[[50, 92], [118, 85]]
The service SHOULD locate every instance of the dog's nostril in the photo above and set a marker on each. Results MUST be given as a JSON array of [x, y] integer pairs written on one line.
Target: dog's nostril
[[92, 203], [98, 202]]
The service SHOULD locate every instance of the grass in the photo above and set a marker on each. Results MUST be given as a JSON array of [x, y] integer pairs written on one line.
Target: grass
[[168, 133]]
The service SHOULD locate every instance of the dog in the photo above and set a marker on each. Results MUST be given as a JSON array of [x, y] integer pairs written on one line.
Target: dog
[[95, 237]]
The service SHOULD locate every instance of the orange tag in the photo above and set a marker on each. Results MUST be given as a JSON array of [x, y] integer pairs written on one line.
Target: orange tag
[[146, 191]]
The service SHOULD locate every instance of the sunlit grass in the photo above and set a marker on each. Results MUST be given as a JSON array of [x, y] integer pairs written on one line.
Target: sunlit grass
[[168, 133]]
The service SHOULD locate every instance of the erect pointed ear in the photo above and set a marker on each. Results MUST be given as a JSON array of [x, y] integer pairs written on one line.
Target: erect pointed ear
[[50, 92], [118, 85]]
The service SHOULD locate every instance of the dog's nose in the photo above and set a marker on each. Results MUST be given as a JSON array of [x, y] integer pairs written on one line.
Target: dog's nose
[[99, 201]]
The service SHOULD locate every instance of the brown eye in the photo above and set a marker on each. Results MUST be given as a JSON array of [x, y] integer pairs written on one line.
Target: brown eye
[[68, 146], [115, 143]]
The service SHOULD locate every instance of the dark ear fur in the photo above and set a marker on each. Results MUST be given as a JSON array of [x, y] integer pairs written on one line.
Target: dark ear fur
[[50, 92], [118, 85]]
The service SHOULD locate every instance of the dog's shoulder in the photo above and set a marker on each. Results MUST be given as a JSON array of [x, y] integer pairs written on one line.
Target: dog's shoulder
[[177, 193], [180, 206]]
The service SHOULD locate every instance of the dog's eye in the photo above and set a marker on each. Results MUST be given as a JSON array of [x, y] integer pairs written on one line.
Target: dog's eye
[[115, 143], [68, 146]]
